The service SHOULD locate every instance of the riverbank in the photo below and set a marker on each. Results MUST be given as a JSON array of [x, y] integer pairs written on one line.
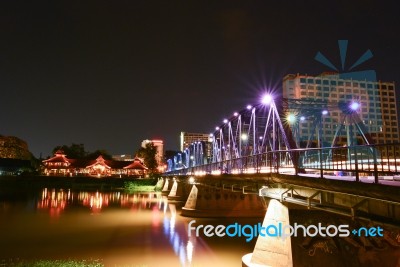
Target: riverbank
[[27, 183]]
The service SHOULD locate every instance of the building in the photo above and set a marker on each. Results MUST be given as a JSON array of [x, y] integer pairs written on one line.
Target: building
[[186, 139], [160, 149], [376, 106], [123, 157], [60, 165]]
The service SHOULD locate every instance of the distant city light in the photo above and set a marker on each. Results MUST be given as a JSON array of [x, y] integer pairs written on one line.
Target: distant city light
[[225, 121], [302, 118], [266, 99], [217, 128], [249, 107], [354, 105], [244, 137], [291, 118], [324, 112], [235, 114]]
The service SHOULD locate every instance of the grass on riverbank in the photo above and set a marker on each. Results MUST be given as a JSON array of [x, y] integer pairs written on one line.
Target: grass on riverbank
[[26, 183], [55, 263], [145, 185]]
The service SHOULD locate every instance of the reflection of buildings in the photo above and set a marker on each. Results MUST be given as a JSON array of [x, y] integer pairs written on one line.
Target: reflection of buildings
[[61, 165], [56, 200], [182, 244], [53, 201], [95, 201]]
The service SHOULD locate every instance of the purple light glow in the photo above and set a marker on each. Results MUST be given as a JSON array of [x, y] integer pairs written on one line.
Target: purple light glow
[[266, 99], [354, 105]]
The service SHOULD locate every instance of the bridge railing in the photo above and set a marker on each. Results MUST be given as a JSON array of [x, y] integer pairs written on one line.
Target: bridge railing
[[363, 161]]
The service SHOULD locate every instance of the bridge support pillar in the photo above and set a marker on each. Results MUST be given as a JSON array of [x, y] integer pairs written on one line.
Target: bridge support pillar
[[160, 183], [207, 201], [166, 187], [178, 191], [272, 250]]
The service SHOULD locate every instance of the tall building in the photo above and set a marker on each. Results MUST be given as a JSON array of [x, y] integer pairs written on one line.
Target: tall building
[[376, 104], [160, 149], [188, 138]]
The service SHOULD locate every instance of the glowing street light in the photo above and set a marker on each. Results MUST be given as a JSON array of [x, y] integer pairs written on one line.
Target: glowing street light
[[324, 112], [249, 107], [266, 99], [217, 128], [235, 114], [225, 121], [354, 105], [291, 118], [244, 137], [302, 118]]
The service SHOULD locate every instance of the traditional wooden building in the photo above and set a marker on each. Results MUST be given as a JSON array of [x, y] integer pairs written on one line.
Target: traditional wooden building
[[136, 168], [59, 164]]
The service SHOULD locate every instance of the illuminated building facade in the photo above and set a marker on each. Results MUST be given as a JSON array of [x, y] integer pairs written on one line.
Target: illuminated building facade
[[376, 106], [186, 139], [100, 167]]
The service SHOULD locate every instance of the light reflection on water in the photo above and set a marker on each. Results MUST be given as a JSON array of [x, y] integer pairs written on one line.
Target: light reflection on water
[[117, 228]]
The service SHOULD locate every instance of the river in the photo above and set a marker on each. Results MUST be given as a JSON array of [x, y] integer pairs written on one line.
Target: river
[[116, 228]]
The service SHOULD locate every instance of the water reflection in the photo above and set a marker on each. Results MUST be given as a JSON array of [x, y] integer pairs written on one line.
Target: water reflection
[[182, 244], [56, 200], [140, 228], [53, 201]]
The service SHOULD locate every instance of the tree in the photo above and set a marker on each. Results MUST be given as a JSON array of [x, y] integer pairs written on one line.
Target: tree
[[148, 154], [97, 153], [74, 151], [77, 151]]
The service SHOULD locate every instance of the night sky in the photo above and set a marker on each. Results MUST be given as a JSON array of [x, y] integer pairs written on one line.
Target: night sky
[[109, 74]]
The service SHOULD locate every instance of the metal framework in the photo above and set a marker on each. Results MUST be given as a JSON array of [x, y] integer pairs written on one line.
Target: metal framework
[[313, 110], [258, 130], [254, 130]]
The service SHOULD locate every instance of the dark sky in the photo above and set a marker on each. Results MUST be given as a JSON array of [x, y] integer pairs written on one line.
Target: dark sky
[[109, 74]]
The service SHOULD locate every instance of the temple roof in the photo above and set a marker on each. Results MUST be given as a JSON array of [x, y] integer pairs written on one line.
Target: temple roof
[[59, 156], [136, 164], [86, 163], [100, 161]]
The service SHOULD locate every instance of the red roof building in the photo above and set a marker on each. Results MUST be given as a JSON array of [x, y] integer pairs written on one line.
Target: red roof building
[[100, 167], [136, 167]]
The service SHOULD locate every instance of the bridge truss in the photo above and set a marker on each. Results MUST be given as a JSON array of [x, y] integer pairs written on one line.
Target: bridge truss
[[254, 130], [248, 136]]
